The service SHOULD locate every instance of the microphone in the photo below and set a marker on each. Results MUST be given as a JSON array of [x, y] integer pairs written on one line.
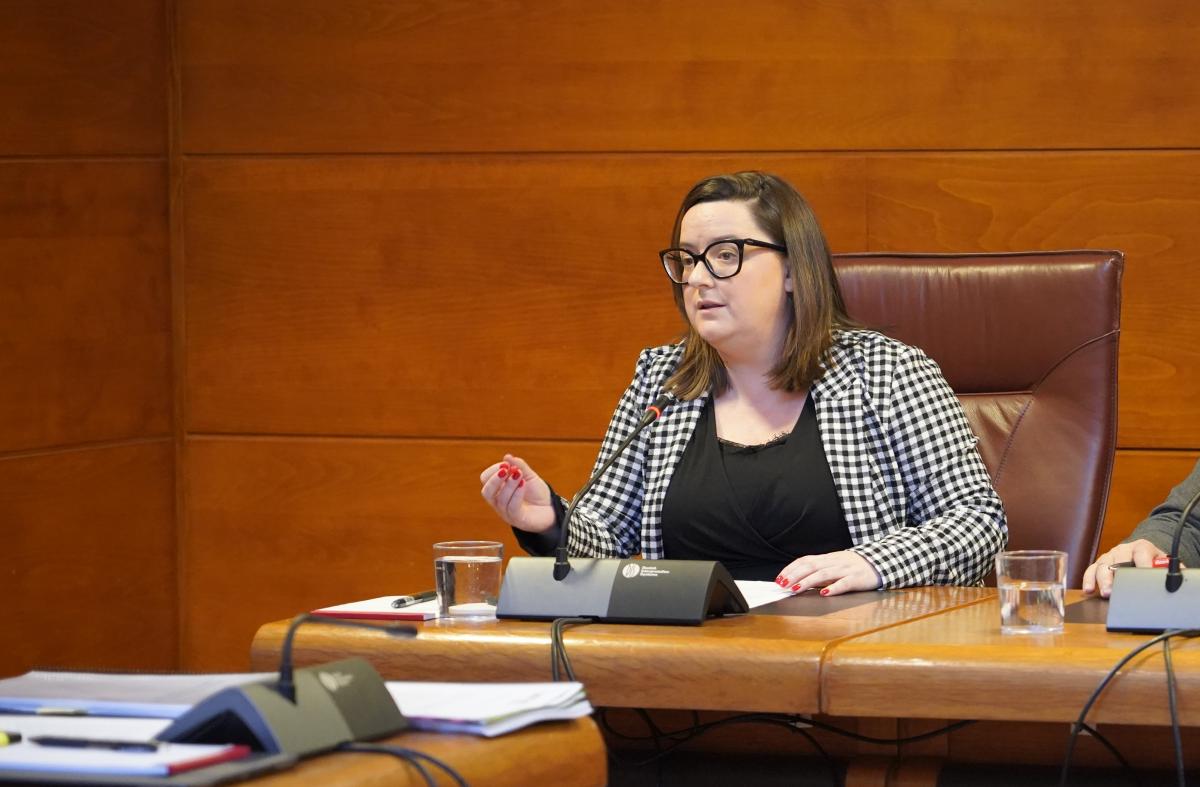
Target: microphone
[[680, 592], [1174, 574], [562, 565], [1141, 602], [287, 683], [304, 712]]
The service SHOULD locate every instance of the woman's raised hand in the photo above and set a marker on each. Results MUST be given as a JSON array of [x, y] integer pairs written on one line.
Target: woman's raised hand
[[518, 495]]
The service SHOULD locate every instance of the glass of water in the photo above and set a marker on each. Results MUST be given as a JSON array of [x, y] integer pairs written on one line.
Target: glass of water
[[467, 577], [1031, 584]]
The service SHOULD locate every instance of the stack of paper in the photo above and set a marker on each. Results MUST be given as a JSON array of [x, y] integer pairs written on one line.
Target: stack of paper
[[165, 760], [102, 694], [758, 594], [487, 709]]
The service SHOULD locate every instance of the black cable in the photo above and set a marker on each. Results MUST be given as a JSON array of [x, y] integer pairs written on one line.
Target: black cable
[[1180, 778], [1087, 706], [924, 736], [1106, 743], [684, 735], [366, 749], [834, 779], [558, 649], [411, 756], [792, 720], [774, 720]]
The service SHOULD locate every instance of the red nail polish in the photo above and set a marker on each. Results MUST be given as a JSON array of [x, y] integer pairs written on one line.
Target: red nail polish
[[1162, 561], [503, 472], [516, 474], [824, 591], [796, 586], [521, 483]]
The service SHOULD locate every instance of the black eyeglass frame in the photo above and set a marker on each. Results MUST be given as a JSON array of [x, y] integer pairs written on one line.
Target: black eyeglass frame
[[702, 256]]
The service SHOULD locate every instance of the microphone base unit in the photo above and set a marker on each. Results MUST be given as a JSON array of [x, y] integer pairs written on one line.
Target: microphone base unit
[[1140, 602], [679, 592], [335, 703]]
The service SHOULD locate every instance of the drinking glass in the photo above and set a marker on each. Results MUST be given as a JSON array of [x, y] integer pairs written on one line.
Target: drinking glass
[[467, 577], [1031, 584]]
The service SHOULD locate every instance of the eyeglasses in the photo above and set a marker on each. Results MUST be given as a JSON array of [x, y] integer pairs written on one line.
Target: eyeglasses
[[723, 258]]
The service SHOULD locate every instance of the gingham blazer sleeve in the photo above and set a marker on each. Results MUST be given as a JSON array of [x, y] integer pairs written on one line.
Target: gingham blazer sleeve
[[953, 520], [608, 520]]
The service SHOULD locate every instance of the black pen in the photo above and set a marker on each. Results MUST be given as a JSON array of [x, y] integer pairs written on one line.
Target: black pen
[[416, 598], [94, 743]]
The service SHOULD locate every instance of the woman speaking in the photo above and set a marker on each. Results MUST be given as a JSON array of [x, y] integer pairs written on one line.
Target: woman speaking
[[801, 448]]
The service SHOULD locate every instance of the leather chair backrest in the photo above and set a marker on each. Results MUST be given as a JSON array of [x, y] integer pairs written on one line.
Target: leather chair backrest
[[1028, 341]]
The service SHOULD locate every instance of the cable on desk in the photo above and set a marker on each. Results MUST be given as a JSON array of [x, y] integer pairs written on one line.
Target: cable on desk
[[1180, 776], [558, 649], [1120, 758], [1078, 726], [695, 731], [411, 756]]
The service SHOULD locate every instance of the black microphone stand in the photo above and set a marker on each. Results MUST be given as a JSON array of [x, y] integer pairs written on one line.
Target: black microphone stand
[[562, 566]]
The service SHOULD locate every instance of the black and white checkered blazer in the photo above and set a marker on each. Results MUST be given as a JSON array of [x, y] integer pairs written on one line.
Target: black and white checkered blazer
[[915, 494]]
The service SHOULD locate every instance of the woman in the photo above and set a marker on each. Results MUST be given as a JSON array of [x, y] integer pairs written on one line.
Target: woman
[[802, 448]]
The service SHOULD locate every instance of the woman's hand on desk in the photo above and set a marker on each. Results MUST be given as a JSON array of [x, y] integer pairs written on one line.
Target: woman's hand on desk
[[518, 495], [833, 572], [1099, 575]]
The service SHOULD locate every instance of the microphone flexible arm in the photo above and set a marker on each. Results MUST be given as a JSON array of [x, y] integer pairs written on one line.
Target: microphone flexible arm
[[287, 682], [562, 566], [1174, 573]]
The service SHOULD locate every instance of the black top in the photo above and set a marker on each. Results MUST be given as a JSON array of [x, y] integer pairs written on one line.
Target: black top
[[754, 508]]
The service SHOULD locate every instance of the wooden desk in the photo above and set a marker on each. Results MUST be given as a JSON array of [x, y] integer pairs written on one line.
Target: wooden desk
[[567, 753], [764, 662], [958, 665], [899, 664]]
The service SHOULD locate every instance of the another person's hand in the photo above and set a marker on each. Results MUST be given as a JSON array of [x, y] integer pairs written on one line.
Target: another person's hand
[[1099, 575], [833, 572], [518, 495]]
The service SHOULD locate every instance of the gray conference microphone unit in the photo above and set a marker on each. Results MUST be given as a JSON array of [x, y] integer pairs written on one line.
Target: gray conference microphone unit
[[1152, 600], [681, 592], [305, 712], [1141, 603]]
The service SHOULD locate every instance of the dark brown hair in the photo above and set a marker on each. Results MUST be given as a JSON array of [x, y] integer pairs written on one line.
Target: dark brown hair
[[817, 306]]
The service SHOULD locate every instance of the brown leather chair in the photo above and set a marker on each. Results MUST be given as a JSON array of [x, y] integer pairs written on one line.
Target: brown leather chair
[[1028, 341]]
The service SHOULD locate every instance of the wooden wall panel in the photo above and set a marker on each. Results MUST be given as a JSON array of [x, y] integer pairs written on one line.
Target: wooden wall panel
[[441, 296], [1141, 480], [567, 75], [278, 527], [83, 78], [89, 559], [1142, 203], [84, 302]]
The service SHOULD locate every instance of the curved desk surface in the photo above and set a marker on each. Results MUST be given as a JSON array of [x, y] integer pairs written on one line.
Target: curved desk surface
[[933, 652], [755, 662], [569, 753]]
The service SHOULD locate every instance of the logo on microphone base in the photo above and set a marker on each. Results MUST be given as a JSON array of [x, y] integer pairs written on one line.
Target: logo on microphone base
[[335, 680], [632, 570]]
